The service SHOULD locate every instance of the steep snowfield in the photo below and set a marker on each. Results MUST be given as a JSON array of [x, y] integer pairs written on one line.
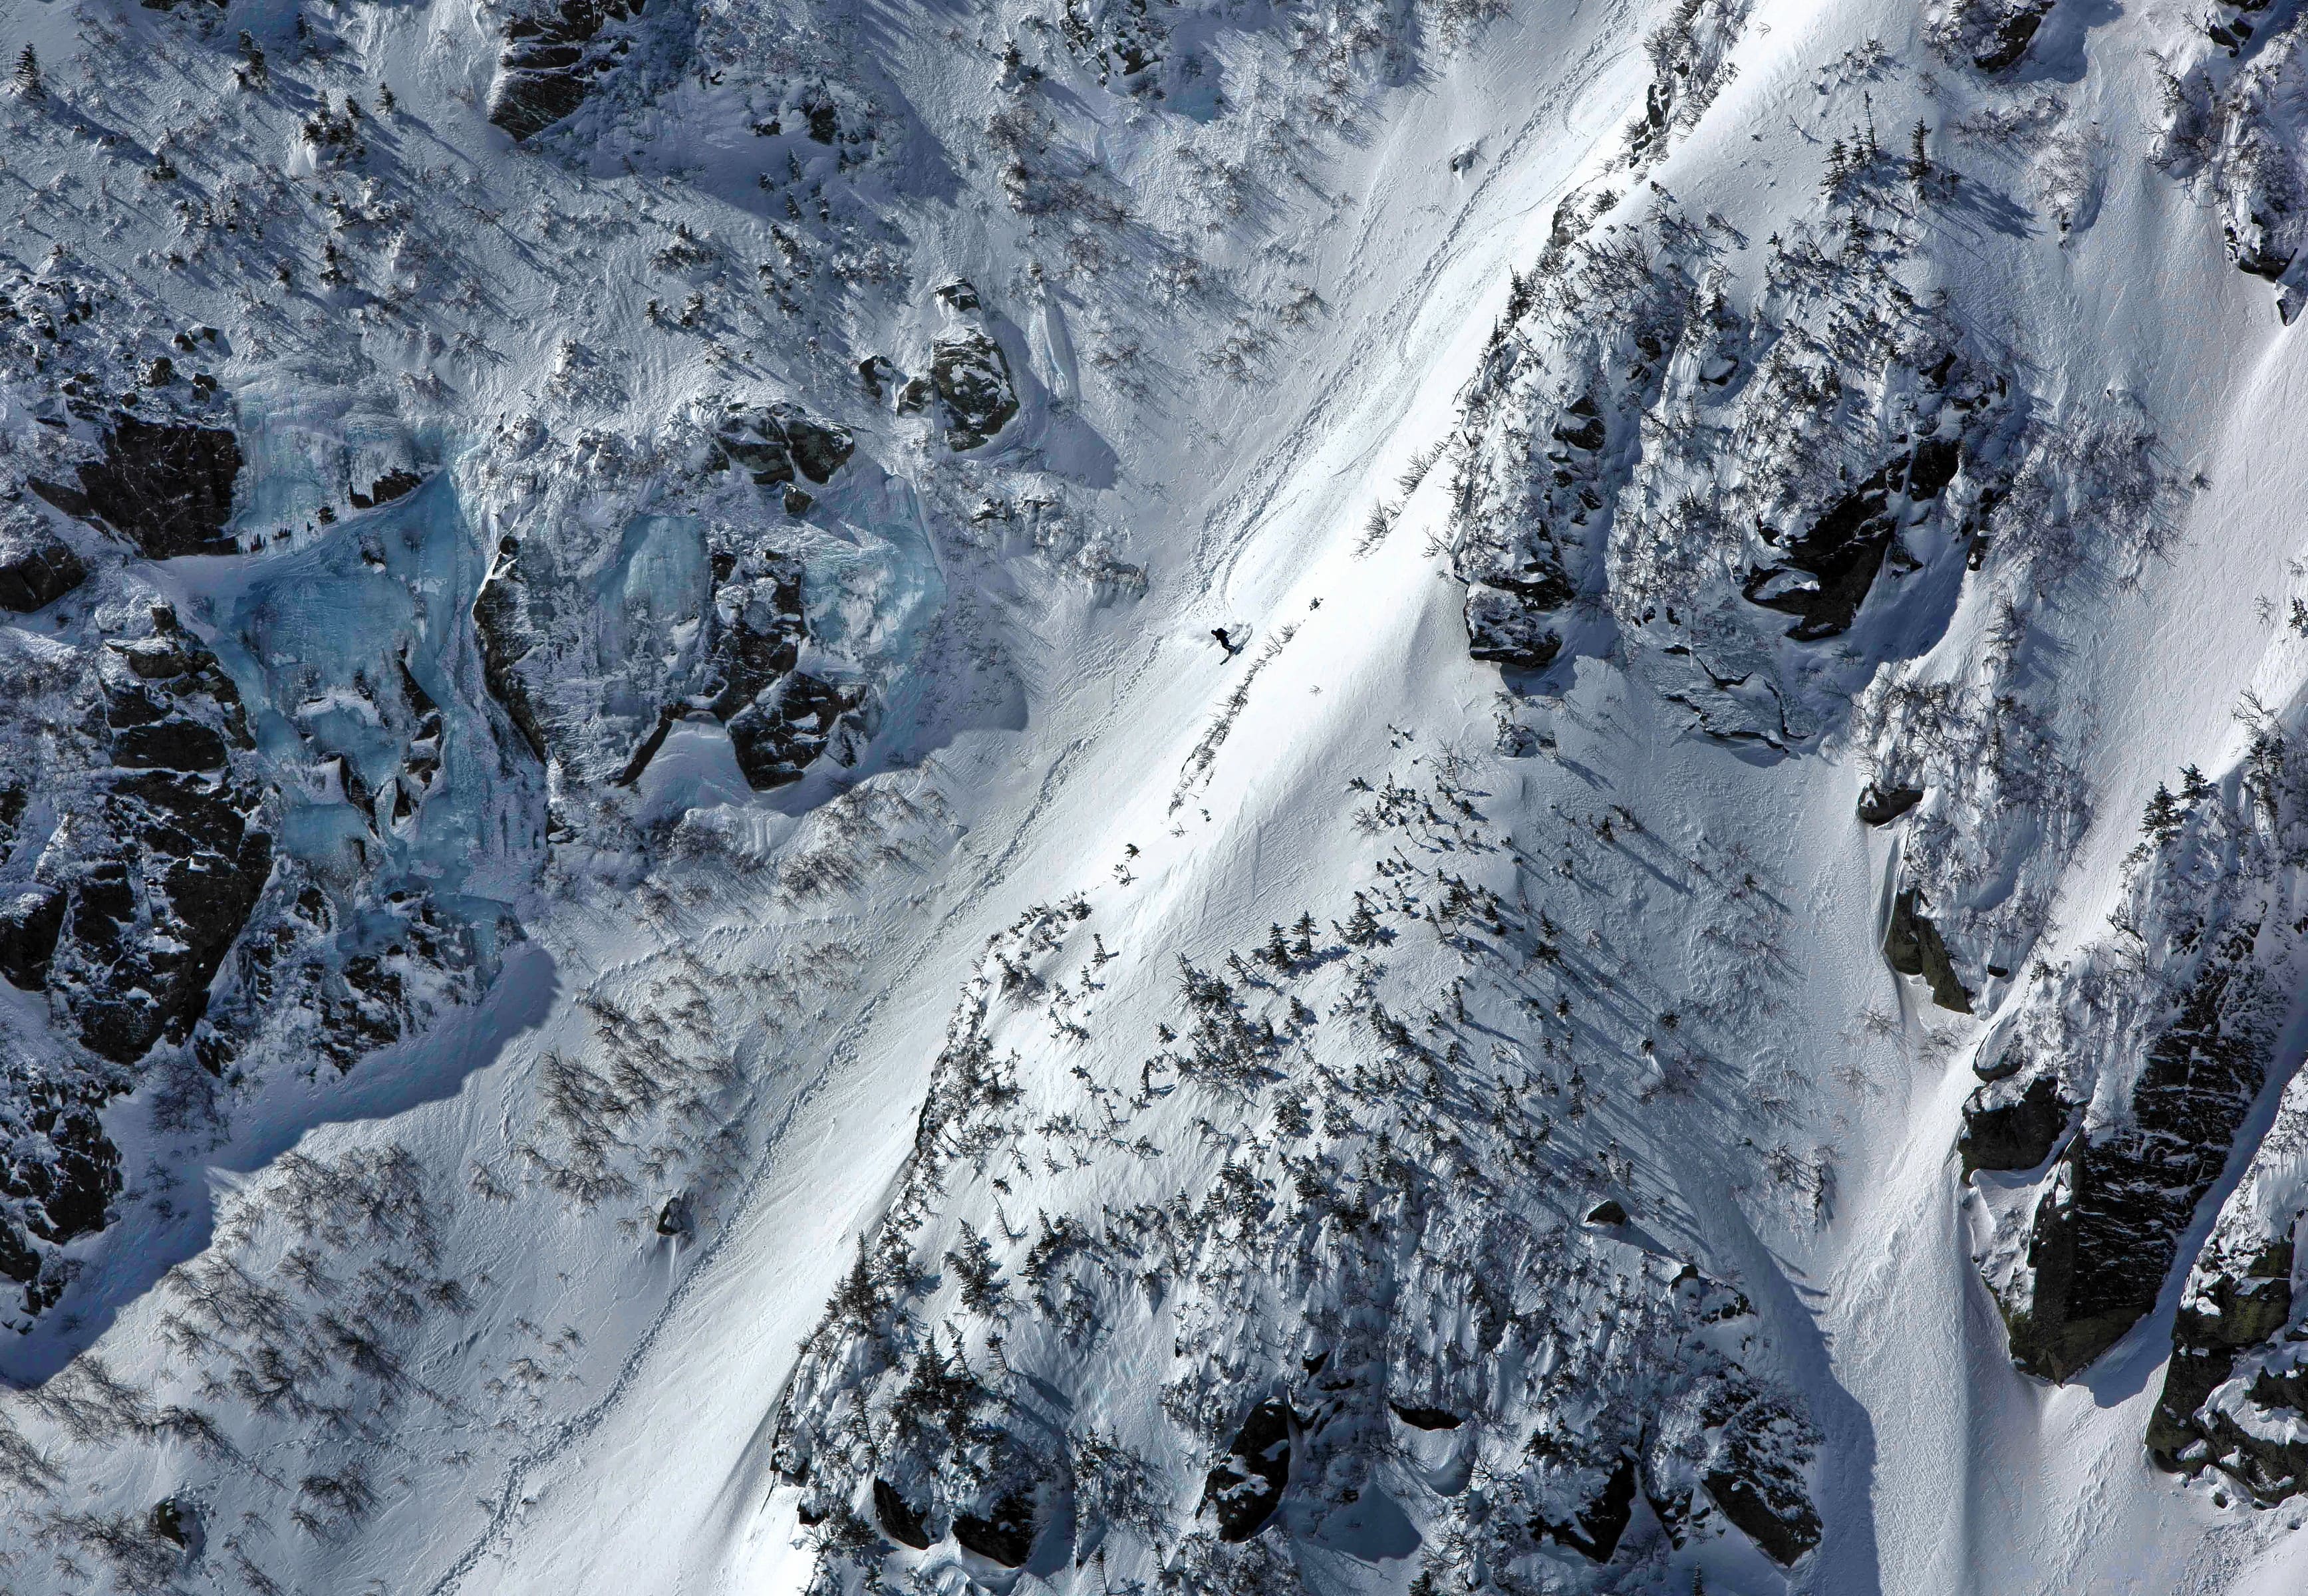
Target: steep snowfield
[[526, 1284]]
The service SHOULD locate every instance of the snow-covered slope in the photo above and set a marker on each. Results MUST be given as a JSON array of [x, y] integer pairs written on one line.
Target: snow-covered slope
[[1128, 796]]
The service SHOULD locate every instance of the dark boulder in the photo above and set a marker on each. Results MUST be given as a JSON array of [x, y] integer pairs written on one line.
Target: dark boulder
[[554, 53], [37, 568], [2008, 1129], [1003, 1533], [970, 375], [1913, 947], [171, 1521], [1246, 1485], [1608, 1212], [1419, 1418], [1881, 806], [899, 1519]]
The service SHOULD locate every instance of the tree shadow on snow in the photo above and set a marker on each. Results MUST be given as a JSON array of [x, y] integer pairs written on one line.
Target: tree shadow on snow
[[150, 1238]]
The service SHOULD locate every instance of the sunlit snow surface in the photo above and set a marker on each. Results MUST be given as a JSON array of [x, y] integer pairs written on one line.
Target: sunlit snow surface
[[1243, 327]]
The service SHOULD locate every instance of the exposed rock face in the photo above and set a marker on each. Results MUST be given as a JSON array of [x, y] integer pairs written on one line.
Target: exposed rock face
[[1005, 1533], [2105, 1231], [2010, 1125], [1419, 1418], [1509, 620], [152, 864], [2236, 1393], [1116, 39], [1522, 559], [970, 375], [36, 568], [1823, 576], [1913, 947], [148, 929], [394, 484], [1595, 1528], [1246, 1487], [1993, 35], [785, 729], [898, 1518], [776, 441], [166, 487], [1318, 1333], [58, 1175], [1880, 807], [2230, 128], [505, 641], [780, 718], [29, 928], [553, 55], [157, 891]]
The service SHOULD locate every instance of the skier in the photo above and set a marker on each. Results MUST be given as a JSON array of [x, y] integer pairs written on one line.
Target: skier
[[1226, 642]]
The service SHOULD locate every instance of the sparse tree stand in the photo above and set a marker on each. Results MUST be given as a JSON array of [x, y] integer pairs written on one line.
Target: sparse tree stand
[[28, 75]]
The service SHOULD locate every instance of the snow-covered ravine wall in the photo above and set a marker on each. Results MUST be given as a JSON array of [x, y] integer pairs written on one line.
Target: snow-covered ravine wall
[[1123, 795]]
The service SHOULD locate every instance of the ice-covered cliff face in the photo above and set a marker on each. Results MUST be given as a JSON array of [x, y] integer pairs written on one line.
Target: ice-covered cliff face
[[1382, 797]]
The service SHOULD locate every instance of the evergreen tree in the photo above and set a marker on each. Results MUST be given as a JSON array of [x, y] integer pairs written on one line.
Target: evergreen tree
[[2163, 819], [1919, 163], [28, 75], [1302, 944], [1277, 951]]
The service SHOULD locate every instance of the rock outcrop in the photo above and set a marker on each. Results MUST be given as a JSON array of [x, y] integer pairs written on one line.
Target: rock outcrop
[[36, 567], [554, 53], [775, 442], [1246, 1487], [2108, 1226], [1823, 576], [159, 888], [501, 626], [1912, 946], [970, 376], [165, 486], [2235, 1391]]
